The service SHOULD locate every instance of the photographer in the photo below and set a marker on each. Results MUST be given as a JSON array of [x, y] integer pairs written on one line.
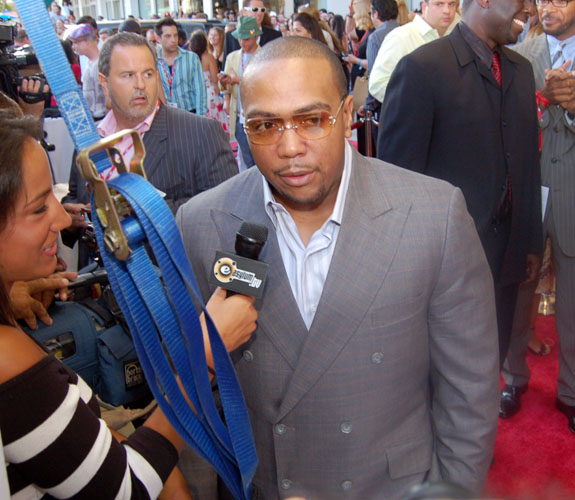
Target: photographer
[[54, 442]]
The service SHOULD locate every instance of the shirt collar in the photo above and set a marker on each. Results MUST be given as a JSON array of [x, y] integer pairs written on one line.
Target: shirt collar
[[271, 205], [423, 27], [554, 44], [478, 46], [109, 125], [160, 53]]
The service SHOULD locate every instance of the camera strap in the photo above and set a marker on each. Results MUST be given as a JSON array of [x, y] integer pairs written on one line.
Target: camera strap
[[162, 315]]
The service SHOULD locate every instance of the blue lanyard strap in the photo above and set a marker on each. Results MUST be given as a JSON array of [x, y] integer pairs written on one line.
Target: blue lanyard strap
[[162, 313]]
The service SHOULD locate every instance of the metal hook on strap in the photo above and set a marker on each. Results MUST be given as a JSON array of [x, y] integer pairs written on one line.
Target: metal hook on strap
[[111, 207]]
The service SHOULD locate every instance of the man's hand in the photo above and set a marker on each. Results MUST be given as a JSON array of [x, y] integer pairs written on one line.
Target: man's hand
[[228, 79], [559, 85], [77, 211], [31, 299], [361, 110], [235, 318], [533, 266]]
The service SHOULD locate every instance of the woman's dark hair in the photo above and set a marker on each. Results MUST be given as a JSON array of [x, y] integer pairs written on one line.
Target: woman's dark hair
[[198, 42], [15, 130], [338, 26], [70, 54], [311, 25]]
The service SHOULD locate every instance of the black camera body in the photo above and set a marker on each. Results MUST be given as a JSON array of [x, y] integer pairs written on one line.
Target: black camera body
[[12, 60]]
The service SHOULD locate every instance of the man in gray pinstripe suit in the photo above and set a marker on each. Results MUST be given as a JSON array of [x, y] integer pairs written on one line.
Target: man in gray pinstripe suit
[[551, 55], [374, 365]]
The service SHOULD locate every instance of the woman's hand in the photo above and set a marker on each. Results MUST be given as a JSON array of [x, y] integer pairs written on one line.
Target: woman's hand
[[235, 318]]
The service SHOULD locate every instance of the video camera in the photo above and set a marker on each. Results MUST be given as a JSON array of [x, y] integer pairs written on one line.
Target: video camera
[[12, 63]]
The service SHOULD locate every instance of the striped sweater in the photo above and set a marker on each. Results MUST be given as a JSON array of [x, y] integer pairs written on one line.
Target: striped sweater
[[56, 446]]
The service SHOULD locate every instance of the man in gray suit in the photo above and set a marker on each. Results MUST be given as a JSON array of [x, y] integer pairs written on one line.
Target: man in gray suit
[[552, 55], [374, 365]]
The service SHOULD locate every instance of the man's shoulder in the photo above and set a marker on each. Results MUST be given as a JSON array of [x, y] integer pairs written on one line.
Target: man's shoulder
[[175, 117], [228, 196], [401, 185], [528, 47], [270, 33]]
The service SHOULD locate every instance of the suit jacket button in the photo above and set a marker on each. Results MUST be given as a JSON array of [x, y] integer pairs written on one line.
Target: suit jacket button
[[377, 357], [285, 484], [346, 427], [248, 356], [346, 485], [556, 128], [280, 429], [554, 160]]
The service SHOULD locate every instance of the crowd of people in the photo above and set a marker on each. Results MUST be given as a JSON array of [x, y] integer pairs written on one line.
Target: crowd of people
[[400, 286]]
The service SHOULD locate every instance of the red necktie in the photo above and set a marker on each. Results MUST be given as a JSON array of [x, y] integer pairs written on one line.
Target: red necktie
[[496, 67]]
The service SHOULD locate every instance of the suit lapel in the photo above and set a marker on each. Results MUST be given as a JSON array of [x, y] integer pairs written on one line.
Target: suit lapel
[[155, 141], [278, 310], [370, 233]]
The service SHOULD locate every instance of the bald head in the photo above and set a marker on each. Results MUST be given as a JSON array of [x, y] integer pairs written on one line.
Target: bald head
[[294, 47]]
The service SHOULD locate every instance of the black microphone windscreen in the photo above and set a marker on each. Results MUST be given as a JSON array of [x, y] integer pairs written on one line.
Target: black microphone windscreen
[[253, 231]]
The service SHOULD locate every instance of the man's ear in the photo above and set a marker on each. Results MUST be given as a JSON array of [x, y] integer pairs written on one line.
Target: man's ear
[[347, 112], [104, 83]]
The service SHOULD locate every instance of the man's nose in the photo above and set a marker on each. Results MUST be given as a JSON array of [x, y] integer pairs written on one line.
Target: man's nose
[[291, 144], [140, 82]]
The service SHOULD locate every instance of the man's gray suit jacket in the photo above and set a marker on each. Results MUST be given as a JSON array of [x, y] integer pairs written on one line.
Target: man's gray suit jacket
[[558, 150], [397, 379]]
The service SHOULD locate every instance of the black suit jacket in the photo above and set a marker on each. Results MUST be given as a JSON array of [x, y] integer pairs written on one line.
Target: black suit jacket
[[231, 44], [185, 155], [444, 115]]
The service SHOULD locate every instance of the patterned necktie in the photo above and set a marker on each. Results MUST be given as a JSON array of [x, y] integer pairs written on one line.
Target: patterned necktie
[[558, 58], [496, 67]]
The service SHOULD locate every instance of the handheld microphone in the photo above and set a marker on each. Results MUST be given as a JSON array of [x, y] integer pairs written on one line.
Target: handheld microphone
[[242, 272]]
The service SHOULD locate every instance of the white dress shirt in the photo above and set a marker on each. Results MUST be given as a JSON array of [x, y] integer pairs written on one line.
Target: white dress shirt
[[398, 43], [307, 267]]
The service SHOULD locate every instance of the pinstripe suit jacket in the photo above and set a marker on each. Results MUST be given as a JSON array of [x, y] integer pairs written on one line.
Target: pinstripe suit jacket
[[558, 151], [397, 379], [185, 155]]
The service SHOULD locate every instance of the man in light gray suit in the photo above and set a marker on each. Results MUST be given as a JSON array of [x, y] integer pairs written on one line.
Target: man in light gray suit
[[552, 55], [375, 362]]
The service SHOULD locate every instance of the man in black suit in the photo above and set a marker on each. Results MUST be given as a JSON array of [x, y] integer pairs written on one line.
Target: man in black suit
[[257, 9], [462, 109]]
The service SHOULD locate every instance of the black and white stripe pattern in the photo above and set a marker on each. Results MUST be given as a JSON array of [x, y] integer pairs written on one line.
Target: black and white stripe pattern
[[55, 445]]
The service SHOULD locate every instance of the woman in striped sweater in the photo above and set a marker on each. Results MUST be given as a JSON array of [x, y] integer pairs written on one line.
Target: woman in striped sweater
[[55, 445]]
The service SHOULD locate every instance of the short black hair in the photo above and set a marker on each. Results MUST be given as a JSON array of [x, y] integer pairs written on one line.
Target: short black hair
[[88, 20], [130, 26], [386, 9], [297, 47], [167, 21]]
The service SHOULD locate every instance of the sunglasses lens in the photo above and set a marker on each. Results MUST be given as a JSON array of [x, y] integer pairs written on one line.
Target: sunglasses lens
[[265, 131]]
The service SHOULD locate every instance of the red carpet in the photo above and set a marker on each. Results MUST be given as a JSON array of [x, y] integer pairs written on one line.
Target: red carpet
[[535, 451]]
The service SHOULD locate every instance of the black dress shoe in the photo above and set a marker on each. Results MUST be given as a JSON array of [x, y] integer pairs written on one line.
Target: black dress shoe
[[569, 412], [510, 402]]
